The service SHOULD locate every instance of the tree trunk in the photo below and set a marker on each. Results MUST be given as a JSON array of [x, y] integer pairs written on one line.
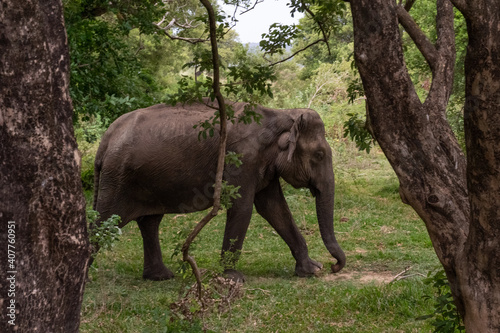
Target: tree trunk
[[449, 193], [43, 237], [480, 275]]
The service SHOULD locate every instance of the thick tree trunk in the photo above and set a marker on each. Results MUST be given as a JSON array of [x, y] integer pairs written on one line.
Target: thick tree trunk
[[43, 237], [480, 276], [418, 142], [414, 136]]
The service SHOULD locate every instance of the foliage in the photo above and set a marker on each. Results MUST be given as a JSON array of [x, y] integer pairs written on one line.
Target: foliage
[[339, 48], [355, 89], [88, 134], [325, 17], [424, 13], [208, 126], [355, 128], [278, 38], [105, 233], [107, 77], [229, 193], [87, 176], [445, 318], [119, 60], [455, 115], [243, 81], [233, 158]]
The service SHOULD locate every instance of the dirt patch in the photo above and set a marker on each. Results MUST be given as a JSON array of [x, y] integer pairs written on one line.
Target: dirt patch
[[387, 230], [365, 277], [344, 323]]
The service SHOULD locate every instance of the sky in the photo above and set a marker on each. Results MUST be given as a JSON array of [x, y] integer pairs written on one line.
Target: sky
[[254, 23]]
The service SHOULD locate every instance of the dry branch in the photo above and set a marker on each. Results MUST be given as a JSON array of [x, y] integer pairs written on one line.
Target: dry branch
[[295, 53], [402, 276], [222, 149], [174, 23]]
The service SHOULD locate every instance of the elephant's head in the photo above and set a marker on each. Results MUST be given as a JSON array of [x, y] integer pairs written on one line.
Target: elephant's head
[[305, 160]]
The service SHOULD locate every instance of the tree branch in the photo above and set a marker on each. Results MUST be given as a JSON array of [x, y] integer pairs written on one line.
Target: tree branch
[[409, 4], [222, 148], [419, 38], [253, 7], [140, 48], [295, 53], [461, 5], [325, 36], [318, 89], [185, 39], [233, 18], [445, 26], [442, 73], [173, 23], [324, 39]]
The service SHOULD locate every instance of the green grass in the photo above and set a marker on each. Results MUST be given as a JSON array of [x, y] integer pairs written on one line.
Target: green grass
[[380, 235]]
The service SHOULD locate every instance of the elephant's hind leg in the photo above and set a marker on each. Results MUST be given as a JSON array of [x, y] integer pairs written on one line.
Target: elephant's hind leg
[[154, 269]]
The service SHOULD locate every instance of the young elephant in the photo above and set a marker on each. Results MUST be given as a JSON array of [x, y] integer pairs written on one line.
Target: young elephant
[[150, 162]]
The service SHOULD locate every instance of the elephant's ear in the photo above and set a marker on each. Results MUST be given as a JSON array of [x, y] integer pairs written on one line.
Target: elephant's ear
[[288, 140]]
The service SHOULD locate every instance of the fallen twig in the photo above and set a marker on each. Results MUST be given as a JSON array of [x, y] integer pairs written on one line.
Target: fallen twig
[[263, 290], [402, 276]]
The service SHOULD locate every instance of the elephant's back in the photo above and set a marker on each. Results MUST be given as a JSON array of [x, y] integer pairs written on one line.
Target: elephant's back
[[158, 148], [161, 120], [154, 126]]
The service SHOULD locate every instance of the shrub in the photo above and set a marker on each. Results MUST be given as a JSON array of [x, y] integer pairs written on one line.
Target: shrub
[[445, 317]]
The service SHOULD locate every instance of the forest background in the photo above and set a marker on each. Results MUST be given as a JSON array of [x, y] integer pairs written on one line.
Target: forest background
[[122, 61]]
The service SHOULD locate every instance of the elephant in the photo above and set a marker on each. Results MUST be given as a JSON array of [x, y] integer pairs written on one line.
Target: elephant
[[152, 162]]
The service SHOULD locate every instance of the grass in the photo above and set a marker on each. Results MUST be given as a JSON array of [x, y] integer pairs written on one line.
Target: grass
[[380, 235]]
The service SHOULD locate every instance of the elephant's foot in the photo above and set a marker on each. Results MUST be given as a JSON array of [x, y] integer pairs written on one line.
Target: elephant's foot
[[307, 267], [158, 273], [234, 275]]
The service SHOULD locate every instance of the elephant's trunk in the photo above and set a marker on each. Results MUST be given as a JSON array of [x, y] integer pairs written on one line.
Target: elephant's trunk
[[324, 211]]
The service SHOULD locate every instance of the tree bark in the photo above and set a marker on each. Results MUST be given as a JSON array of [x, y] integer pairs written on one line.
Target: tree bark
[[480, 276], [456, 198], [43, 237], [414, 136]]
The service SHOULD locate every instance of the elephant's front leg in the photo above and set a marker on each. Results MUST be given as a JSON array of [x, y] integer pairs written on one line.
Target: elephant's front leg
[[238, 219], [271, 204]]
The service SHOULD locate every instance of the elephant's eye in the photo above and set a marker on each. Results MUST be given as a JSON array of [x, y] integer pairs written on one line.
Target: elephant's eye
[[319, 155]]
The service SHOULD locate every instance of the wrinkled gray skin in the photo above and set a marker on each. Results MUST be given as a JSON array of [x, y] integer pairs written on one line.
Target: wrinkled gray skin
[[150, 162]]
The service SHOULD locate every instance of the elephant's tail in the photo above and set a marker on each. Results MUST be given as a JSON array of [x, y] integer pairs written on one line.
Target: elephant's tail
[[97, 176], [98, 162]]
